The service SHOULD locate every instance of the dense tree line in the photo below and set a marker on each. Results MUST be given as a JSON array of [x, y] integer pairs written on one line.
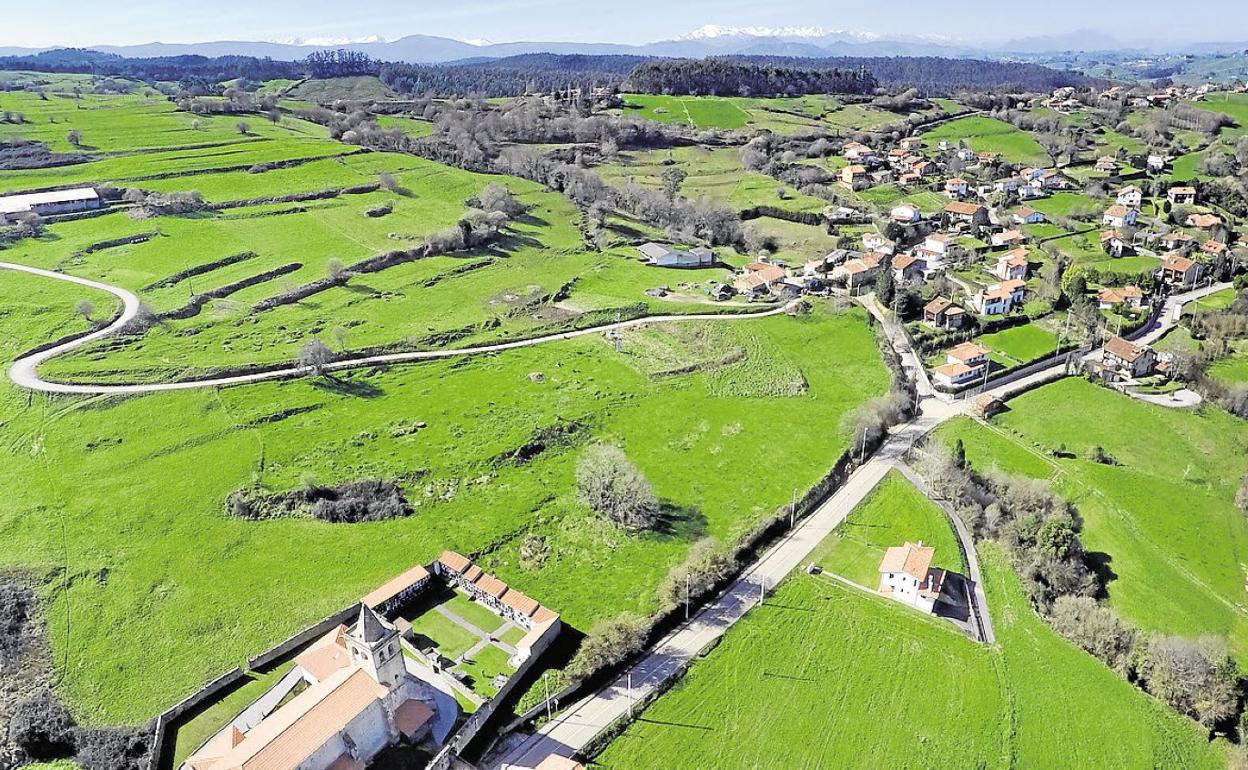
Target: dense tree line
[[512, 76], [167, 68], [732, 77], [934, 75], [340, 63]]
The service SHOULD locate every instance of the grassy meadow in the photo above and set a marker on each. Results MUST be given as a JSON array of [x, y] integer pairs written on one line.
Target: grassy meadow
[[893, 514], [987, 134], [822, 675], [1163, 517]]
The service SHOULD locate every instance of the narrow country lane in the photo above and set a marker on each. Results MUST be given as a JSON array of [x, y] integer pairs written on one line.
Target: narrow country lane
[[23, 372]]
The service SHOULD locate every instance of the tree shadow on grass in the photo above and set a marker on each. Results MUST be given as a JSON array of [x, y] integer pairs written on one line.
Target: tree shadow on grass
[[680, 522], [1099, 563], [344, 387], [530, 219]]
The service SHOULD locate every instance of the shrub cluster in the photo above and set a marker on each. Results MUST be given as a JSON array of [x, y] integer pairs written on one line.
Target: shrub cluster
[[368, 500]]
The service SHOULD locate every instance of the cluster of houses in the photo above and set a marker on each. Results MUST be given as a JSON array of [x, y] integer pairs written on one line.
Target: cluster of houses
[[1178, 270], [902, 165]]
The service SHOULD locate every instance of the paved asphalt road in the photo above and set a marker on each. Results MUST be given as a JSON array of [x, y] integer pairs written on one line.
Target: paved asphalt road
[[23, 373]]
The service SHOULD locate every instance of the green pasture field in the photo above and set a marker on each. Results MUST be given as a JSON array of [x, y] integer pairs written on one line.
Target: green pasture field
[[164, 591], [893, 514], [111, 125], [889, 195], [1163, 517], [987, 134], [823, 675], [1065, 204], [1021, 343], [1232, 370], [361, 88], [714, 174], [783, 115], [1217, 301], [409, 125]]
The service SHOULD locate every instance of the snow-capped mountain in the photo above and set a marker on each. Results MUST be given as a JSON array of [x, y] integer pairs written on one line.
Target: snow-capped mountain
[[716, 31]]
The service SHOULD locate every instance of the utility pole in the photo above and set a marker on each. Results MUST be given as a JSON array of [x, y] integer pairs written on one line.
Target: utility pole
[[546, 686], [762, 589], [686, 596], [792, 508]]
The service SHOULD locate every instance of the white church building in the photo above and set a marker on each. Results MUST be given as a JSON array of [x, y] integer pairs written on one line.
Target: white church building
[[907, 575], [359, 699]]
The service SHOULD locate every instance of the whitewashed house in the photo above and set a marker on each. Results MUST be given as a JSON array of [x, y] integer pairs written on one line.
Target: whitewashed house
[[907, 576]]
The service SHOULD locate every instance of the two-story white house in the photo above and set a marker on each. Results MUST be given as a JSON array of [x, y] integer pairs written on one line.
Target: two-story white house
[[907, 576]]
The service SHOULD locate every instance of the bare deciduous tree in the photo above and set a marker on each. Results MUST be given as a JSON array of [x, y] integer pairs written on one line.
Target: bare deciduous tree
[[607, 482], [315, 355]]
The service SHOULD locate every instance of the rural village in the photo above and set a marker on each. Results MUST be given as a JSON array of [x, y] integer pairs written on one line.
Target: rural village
[[579, 411]]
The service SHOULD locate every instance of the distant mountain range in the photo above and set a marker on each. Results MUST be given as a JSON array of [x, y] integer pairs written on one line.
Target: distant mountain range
[[711, 40]]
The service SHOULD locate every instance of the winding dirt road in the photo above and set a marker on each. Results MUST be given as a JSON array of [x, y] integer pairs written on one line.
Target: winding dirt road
[[23, 372]]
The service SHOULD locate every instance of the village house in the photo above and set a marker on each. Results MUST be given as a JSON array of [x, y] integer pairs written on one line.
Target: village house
[[1214, 248], [1157, 163], [1130, 196], [1182, 196], [1008, 238], [965, 363], [358, 699], [941, 313], [1114, 242], [924, 168], [909, 179], [1203, 221], [1179, 271], [1026, 215], [956, 188], [658, 255], [854, 177], [883, 176], [858, 273], [1106, 164], [971, 214], [1123, 360], [938, 248], [13, 207], [1177, 240], [989, 158], [1012, 265], [877, 242], [856, 152], [965, 154], [907, 268], [759, 278], [907, 576], [1008, 185], [912, 143], [1130, 296], [905, 214], [1052, 179], [999, 298], [1119, 216]]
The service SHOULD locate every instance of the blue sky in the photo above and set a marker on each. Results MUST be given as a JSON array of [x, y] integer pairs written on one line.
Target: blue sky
[[85, 22]]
